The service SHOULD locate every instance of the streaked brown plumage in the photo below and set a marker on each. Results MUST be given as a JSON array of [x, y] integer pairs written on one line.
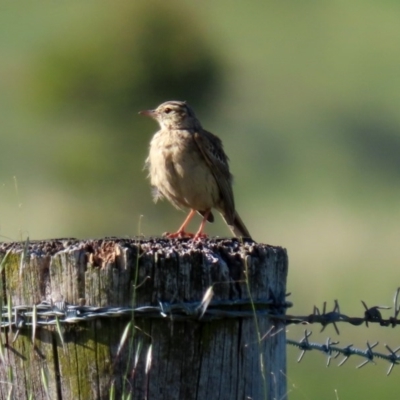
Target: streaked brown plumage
[[188, 166]]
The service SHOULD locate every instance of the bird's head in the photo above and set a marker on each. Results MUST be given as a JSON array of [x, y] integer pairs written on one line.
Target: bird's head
[[174, 115]]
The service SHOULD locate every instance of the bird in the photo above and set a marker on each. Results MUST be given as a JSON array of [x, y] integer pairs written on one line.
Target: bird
[[188, 166]]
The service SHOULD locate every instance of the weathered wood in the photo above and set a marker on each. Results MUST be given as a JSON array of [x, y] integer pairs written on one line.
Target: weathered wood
[[162, 358]]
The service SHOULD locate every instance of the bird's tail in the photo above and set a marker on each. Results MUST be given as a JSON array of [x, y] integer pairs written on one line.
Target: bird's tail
[[237, 226]]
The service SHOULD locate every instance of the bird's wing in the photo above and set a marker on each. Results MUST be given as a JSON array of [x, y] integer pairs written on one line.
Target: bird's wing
[[211, 148]]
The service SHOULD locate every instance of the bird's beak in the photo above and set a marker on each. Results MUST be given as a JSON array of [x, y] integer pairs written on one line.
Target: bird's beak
[[148, 113]]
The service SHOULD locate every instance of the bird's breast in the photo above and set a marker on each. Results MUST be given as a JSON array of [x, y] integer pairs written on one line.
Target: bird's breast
[[180, 171]]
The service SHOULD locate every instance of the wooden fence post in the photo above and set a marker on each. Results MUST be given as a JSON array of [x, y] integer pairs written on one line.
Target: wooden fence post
[[163, 350]]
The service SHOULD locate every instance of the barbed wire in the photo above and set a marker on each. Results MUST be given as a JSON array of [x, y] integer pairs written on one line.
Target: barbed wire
[[324, 318], [57, 313], [49, 313], [46, 312], [331, 350]]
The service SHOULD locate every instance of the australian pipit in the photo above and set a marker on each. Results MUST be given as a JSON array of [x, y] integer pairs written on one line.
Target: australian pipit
[[188, 166]]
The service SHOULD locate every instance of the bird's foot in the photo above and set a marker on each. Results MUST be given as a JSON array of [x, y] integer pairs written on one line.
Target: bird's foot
[[179, 235], [199, 236], [186, 235]]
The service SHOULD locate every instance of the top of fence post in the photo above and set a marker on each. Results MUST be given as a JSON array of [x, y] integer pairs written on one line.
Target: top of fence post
[[156, 318]]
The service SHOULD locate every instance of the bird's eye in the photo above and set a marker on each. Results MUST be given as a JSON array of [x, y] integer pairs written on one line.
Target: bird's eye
[[167, 110]]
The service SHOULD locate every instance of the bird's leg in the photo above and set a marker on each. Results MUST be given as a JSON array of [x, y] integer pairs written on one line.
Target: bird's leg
[[181, 231], [199, 234]]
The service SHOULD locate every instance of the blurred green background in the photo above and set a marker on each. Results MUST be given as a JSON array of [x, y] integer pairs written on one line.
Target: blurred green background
[[304, 95]]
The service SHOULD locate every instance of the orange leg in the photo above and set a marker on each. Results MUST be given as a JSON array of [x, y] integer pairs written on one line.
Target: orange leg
[[199, 234], [181, 231]]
